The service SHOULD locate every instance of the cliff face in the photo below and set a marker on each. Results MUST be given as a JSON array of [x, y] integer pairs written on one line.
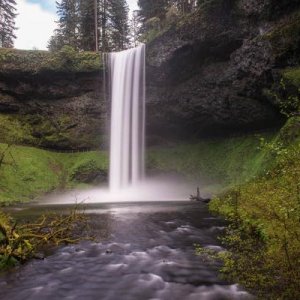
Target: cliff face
[[213, 73], [59, 105], [208, 74]]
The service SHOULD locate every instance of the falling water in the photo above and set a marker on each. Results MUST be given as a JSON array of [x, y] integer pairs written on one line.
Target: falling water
[[127, 93]]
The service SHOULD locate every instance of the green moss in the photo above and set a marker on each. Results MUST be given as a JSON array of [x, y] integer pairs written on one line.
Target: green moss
[[286, 36], [87, 169], [28, 172], [290, 133], [264, 215], [215, 163], [49, 132], [293, 76], [14, 130], [34, 61]]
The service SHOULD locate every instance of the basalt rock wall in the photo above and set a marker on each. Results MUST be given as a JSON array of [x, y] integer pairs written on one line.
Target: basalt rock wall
[[52, 101], [208, 74]]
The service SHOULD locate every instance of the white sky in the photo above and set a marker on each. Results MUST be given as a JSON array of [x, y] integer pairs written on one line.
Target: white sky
[[36, 22], [132, 4]]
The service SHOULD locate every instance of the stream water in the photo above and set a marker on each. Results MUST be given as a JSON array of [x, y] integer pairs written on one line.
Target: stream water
[[145, 251]]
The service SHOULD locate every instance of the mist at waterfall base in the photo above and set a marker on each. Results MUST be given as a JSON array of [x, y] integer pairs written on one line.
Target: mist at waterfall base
[[125, 76], [159, 188]]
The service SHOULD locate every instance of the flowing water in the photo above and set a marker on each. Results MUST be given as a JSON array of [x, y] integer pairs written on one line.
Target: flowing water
[[127, 93], [144, 251]]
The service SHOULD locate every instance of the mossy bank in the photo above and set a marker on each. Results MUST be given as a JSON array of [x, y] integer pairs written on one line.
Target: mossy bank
[[263, 238], [26, 172]]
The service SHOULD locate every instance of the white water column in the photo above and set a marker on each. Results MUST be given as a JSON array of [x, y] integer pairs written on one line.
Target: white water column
[[127, 93]]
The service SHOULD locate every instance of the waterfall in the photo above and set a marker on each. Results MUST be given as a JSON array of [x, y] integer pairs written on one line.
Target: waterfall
[[127, 132]]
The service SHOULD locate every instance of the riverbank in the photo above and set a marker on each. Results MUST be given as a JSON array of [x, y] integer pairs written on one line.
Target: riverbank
[[27, 172], [263, 238]]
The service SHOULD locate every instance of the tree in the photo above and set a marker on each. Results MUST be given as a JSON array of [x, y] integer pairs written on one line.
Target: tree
[[102, 23], [87, 24], [113, 25], [156, 15], [153, 8], [118, 25], [7, 23], [185, 6], [135, 28], [78, 27], [68, 26], [56, 42]]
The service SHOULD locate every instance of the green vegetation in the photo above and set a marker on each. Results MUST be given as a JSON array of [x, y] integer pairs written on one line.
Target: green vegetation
[[263, 238], [20, 242], [46, 131], [34, 61], [27, 172], [76, 25], [162, 16], [293, 76], [285, 37], [216, 164], [15, 130]]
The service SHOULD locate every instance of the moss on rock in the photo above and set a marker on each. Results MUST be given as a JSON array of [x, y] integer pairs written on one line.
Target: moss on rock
[[89, 171], [14, 130], [214, 164], [35, 61], [27, 172], [293, 75], [285, 37], [56, 132]]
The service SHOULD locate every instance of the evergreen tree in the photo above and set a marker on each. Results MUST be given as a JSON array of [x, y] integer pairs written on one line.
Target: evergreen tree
[[153, 8], [56, 41], [77, 25], [68, 25], [103, 24], [7, 23], [87, 24], [154, 15], [118, 25], [185, 6], [135, 29]]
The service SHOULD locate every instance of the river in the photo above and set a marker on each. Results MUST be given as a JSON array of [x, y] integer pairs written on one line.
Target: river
[[143, 251]]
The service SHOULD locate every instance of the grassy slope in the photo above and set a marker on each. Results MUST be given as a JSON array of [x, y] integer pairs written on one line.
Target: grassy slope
[[213, 164], [265, 215], [28, 172]]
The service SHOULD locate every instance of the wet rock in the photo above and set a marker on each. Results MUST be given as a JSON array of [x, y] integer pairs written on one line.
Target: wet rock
[[207, 76], [39, 256], [93, 175], [61, 111]]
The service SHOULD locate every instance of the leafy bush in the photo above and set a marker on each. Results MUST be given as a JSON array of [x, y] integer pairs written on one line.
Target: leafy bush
[[263, 239]]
